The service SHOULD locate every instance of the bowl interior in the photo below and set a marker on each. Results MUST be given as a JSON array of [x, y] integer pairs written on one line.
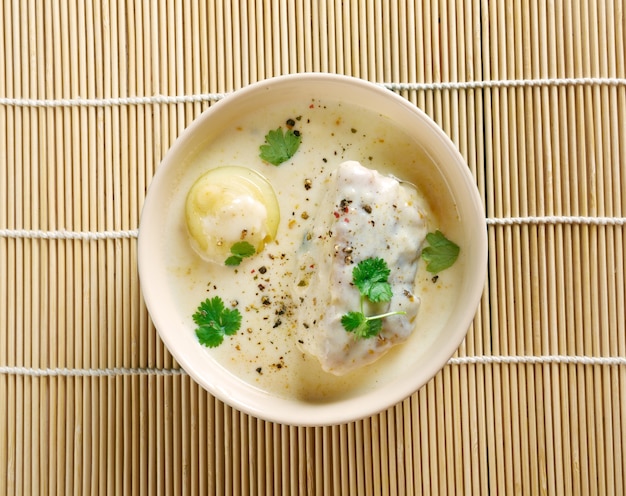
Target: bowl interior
[[447, 170]]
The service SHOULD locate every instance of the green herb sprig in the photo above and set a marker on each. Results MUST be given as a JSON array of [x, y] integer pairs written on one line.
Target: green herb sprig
[[239, 251], [214, 321], [441, 254], [280, 147], [370, 277]]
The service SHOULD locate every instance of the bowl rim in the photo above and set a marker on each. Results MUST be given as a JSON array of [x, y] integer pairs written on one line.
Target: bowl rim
[[246, 397]]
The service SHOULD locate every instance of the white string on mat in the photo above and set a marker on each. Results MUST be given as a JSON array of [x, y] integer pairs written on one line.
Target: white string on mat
[[466, 360], [213, 97], [133, 233], [107, 372], [111, 102], [63, 234], [557, 219], [507, 83], [537, 360]]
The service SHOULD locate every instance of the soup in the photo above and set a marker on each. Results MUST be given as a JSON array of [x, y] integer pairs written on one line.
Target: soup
[[265, 351]]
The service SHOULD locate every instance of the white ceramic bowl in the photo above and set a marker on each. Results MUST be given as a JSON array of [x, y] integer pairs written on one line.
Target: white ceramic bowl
[[178, 334]]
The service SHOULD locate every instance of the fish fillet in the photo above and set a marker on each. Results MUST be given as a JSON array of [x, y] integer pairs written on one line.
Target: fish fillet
[[363, 214]]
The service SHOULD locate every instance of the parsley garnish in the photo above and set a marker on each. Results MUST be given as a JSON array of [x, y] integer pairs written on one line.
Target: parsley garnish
[[362, 326], [370, 277], [214, 321], [280, 146], [441, 253], [239, 251]]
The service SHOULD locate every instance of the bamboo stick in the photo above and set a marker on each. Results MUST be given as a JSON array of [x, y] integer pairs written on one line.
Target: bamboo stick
[[515, 69], [88, 221], [13, 258], [504, 205], [571, 255], [492, 379], [463, 426], [5, 282], [58, 350], [563, 235], [587, 454], [607, 246], [590, 307], [615, 252], [153, 132], [527, 205], [129, 216], [551, 194], [390, 486], [39, 423], [620, 189], [31, 289], [483, 322], [275, 436]]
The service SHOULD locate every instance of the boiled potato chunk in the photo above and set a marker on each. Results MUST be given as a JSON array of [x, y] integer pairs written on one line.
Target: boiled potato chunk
[[227, 205]]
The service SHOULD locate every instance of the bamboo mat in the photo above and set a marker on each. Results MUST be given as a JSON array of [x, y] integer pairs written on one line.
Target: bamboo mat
[[92, 95]]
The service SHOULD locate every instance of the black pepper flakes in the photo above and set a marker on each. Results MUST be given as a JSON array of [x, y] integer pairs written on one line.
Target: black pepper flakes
[[290, 122], [263, 269], [344, 204], [259, 370]]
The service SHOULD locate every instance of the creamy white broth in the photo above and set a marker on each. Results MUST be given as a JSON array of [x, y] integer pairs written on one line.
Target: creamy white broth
[[264, 352]]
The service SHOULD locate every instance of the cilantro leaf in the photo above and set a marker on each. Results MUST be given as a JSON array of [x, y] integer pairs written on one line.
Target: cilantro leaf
[[239, 251], [214, 321], [370, 276], [353, 322], [374, 326], [441, 253], [280, 146], [364, 327], [242, 249], [233, 261], [209, 335]]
